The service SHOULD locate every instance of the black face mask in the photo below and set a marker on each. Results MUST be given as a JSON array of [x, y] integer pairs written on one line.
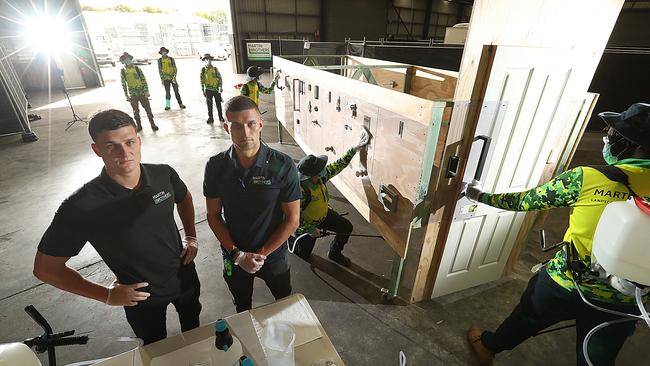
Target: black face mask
[[619, 145]]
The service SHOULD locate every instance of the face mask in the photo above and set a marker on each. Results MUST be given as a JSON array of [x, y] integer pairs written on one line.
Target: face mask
[[607, 152], [163, 53], [209, 62]]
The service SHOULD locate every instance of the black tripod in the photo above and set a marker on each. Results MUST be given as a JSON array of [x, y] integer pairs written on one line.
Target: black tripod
[[49, 339], [75, 116]]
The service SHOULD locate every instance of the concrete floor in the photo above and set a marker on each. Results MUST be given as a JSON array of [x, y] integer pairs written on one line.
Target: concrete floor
[[36, 177]]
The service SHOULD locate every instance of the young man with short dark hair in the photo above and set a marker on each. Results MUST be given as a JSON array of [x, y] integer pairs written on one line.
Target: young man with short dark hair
[[253, 205], [127, 215]]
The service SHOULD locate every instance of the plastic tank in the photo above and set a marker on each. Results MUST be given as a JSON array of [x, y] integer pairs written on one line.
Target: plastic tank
[[14, 354], [622, 240]]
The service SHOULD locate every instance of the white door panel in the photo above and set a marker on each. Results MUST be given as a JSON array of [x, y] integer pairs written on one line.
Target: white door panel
[[521, 114]]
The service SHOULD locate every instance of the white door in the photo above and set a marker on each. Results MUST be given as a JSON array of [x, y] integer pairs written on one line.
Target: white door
[[523, 111]]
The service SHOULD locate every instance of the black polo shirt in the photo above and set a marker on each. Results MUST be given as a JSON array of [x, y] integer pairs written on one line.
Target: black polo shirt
[[251, 198], [132, 230]]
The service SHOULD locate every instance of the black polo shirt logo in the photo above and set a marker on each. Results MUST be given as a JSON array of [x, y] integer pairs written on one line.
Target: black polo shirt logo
[[161, 197], [260, 180]]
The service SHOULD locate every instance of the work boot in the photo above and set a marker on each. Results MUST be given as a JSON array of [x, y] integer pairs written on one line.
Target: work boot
[[154, 127], [138, 127], [181, 106], [221, 119], [339, 258], [210, 120], [167, 104], [484, 355]]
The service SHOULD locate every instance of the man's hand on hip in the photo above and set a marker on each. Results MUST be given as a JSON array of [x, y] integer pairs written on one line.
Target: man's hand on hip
[[190, 249], [126, 295], [250, 262]]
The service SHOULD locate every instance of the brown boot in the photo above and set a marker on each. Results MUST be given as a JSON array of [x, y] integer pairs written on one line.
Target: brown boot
[[484, 355]]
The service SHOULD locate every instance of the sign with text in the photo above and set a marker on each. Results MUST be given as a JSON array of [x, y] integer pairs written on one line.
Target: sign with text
[[259, 51]]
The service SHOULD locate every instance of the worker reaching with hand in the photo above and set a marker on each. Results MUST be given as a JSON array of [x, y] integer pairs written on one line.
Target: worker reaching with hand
[[315, 213], [211, 86], [551, 295], [167, 70], [136, 90], [252, 88]]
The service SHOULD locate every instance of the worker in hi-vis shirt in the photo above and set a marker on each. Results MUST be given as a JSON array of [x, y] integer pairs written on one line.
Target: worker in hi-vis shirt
[[551, 296]]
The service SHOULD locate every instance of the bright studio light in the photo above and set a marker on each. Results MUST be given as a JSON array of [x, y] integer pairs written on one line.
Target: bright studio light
[[47, 34]]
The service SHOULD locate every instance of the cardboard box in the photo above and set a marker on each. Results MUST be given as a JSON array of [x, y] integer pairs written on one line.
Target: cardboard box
[[192, 347]]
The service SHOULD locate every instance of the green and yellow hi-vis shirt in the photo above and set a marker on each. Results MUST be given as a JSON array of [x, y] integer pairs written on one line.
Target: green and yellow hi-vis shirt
[[313, 210], [210, 78], [133, 82], [587, 191], [167, 68], [253, 88]]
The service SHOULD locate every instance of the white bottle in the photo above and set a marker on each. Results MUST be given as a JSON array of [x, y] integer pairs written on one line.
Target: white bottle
[[227, 349], [621, 238]]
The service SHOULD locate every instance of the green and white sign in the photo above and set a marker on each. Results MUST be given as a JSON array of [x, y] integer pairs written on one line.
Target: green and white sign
[[259, 51]]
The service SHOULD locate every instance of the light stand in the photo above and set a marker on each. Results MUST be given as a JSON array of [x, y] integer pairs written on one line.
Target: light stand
[[75, 116]]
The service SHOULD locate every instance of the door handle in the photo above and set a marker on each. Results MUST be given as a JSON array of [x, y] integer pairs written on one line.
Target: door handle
[[484, 151], [479, 167]]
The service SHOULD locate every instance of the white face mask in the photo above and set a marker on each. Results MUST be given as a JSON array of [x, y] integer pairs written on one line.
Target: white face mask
[[164, 53]]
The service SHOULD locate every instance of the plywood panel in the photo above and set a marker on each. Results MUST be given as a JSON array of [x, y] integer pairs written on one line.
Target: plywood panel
[[284, 105], [339, 128], [426, 82], [400, 150]]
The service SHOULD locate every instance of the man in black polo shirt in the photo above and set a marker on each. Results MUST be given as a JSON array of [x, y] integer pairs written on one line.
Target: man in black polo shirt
[[257, 189], [127, 215]]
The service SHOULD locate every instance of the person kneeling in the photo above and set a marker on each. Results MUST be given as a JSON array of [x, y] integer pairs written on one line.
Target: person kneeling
[[315, 213]]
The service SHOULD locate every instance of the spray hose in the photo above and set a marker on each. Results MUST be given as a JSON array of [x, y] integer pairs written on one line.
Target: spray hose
[[325, 233]]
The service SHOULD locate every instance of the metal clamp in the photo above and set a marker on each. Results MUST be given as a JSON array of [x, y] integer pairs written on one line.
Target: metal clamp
[[388, 197], [329, 148]]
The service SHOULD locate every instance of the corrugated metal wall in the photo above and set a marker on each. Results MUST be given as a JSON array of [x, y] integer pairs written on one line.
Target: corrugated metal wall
[[273, 19], [277, 18], [407, 19]]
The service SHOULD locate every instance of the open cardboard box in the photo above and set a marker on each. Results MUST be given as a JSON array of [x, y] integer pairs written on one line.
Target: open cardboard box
[[192, 347]]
